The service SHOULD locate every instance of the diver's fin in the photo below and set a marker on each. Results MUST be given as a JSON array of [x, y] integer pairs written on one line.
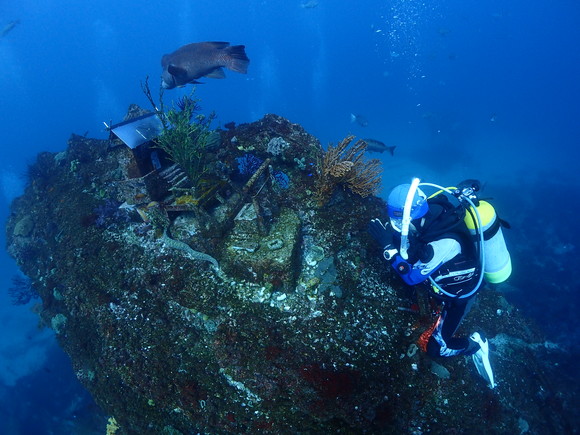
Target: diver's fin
[[481, 359]]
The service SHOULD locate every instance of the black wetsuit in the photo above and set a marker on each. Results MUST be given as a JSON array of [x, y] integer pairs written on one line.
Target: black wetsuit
[[444, 221], [442, 342]]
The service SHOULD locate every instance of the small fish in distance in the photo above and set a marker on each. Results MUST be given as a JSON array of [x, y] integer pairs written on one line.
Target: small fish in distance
[[310, 4], [376, 146], [8, 27], [202, 59], [359, 119]]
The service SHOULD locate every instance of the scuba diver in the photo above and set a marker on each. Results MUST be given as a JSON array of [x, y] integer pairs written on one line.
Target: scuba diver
[[430, 241]]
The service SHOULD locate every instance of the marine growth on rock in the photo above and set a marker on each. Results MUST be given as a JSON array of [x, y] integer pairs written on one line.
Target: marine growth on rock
[[301, 329]]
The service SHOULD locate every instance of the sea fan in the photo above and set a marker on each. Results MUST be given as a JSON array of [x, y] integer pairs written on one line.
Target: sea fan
[[21, 291]]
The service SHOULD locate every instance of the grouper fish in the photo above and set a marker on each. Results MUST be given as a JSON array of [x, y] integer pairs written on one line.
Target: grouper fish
[[202, 59], [376, 146]]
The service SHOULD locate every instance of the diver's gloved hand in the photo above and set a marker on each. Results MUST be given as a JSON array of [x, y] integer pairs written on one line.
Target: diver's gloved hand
[[380, 232]]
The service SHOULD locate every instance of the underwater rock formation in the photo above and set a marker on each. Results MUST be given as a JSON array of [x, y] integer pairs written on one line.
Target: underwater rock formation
[[298, 326]]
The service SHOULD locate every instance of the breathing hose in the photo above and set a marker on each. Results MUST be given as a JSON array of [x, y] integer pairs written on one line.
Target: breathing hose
[[460, 197]]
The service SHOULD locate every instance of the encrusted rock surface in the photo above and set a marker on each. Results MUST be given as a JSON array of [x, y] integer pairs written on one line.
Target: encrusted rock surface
[[302, 329]]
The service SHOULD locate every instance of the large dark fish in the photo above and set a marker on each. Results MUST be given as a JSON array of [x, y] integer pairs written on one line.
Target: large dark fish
[[202, 59], [377, 146]]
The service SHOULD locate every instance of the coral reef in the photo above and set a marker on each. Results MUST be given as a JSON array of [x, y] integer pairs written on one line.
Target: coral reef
[[249, 164], [277, 146], [302, 329], [184, 247], [109, 212]]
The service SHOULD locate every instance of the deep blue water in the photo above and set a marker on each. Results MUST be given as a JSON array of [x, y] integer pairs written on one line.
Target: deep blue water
[[472, 89]]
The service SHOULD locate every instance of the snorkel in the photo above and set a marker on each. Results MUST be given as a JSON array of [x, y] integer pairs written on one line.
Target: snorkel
[[406, 221]]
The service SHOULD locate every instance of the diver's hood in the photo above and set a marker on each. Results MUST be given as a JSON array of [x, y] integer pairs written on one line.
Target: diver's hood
[[397, 201]]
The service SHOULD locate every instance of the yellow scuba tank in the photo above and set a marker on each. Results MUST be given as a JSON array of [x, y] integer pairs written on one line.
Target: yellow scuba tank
[[498, 264]]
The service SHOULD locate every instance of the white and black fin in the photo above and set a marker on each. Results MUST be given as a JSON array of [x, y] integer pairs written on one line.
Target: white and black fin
[[481, 359]]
